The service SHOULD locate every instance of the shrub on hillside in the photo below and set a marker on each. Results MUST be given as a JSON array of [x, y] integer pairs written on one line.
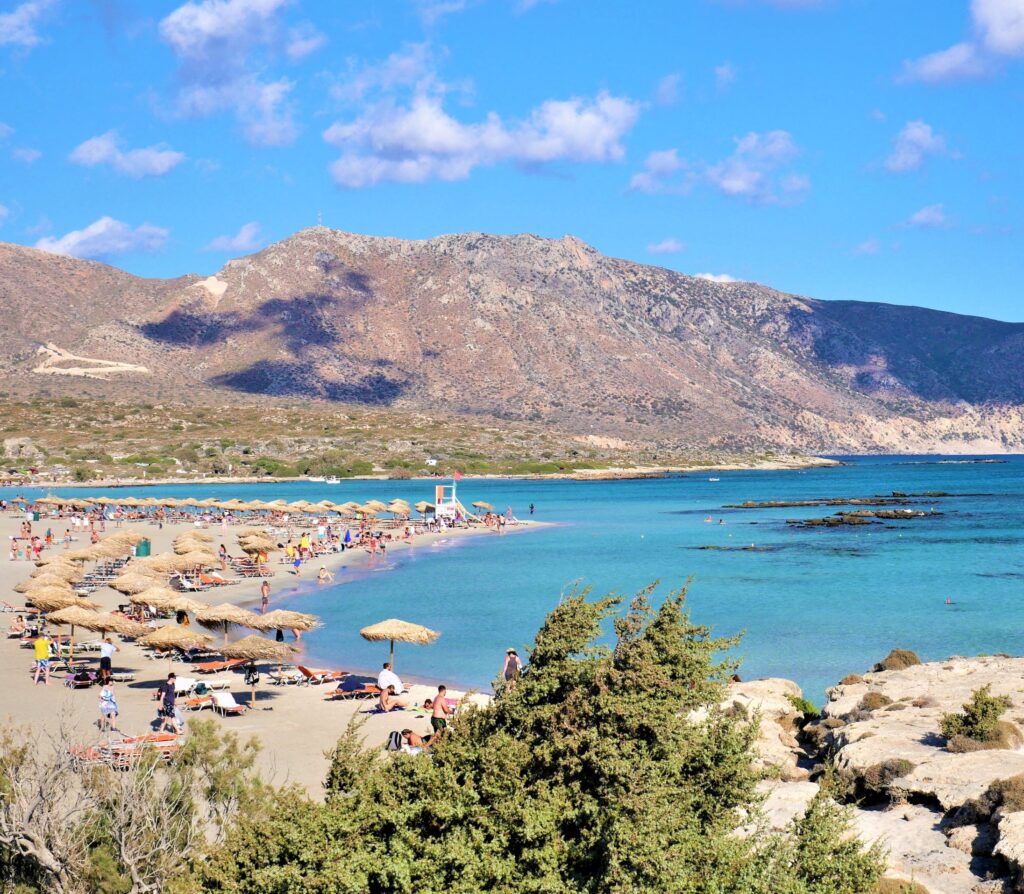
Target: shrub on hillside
[[978, 725], [872, 701], [850, 679], [898, 659]]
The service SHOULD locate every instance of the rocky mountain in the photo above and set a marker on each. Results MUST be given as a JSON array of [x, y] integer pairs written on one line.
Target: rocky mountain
[[520, 327]]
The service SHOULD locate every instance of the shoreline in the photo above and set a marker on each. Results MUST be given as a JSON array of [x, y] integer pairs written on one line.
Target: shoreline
[[608, 473]]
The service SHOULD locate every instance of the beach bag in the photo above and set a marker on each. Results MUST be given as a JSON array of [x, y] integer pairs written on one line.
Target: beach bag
[[252, 676], [394, 741], [202, 689]]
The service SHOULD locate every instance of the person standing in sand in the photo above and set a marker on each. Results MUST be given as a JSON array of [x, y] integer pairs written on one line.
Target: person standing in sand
[[42, 653], [264, 597], [440, 712]]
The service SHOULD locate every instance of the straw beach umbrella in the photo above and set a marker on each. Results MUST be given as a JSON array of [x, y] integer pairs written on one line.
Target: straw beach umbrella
[[43, 580], [225, 614], [132, 582], [282, 619], [394, 629], [174, 637], [68, 571], [258, 648], [51, 602], [482, 504]]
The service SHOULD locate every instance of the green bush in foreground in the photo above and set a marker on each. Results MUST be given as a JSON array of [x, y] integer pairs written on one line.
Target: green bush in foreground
[[607, 769], [979, 721]]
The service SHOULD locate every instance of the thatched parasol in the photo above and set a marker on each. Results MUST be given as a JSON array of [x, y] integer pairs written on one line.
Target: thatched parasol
[[282, 619], [199, 558], [208, 503], [67, 571], [132, 582], [249, 531], [394, 629], [225, 614], [55, 559], [257, 648], [482, 504], [232, 504], [197, 536], [423, 507], [172, 636], [51, 602], [376, 506], [101, 622], [164, 598], [132, 538], [44, 580]]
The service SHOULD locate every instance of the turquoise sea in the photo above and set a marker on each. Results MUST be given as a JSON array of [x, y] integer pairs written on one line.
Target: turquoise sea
[[813, 604]]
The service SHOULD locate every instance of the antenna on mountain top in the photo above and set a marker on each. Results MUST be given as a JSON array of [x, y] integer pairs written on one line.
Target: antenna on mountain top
[[319, 219]]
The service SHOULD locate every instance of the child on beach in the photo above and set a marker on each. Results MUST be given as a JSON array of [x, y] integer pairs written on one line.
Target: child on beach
[[108, 707]]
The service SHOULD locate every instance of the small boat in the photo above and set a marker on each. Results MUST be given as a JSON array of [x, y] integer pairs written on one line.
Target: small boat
[[332, 479], [318, 478], [714, 479]]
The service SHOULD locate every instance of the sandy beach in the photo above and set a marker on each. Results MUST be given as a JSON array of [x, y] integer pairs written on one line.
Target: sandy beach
[[295, 724]]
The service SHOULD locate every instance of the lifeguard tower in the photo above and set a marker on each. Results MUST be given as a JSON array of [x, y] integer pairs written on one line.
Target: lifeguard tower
[[447, 505]]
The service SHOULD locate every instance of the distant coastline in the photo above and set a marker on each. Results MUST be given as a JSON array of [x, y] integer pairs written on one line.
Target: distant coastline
[[612, 473]]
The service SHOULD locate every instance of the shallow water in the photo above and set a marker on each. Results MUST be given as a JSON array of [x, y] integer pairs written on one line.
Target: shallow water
[[815, 604]]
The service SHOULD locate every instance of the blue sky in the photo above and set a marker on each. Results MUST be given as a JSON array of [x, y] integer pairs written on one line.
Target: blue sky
[[848, 149]]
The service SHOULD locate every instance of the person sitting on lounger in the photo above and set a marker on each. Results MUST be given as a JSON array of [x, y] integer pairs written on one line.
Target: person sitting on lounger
[[389, 701], [387, 677], [18, 627]]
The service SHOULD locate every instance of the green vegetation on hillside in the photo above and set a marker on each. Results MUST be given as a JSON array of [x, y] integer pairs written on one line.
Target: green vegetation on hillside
[[83, 440]]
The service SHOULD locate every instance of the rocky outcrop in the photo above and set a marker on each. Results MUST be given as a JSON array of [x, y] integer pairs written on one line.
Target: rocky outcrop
[[952, 822], [777, 746]]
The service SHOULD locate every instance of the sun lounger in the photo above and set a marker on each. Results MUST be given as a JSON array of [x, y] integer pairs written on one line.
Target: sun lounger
[[286, 676], [196, 702], [224, 703], [215, 667], [316, 677], [125, 753], [215, 684], [80, 680], [184, 685], [122, 676]]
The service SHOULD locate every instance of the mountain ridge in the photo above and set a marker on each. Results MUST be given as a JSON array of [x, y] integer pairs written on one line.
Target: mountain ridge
[[522, 327]]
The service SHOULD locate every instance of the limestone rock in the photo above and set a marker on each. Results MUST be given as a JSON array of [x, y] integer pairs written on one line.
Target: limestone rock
[[776, 745], [908, 728], [1011, 840], [20, 448]]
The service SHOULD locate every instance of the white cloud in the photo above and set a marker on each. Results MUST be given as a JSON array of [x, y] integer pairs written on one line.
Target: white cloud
[[431, 11], [18, 27], [930, 216], [668, 246], [1000, 24], [912, 145], [725, 75], [217, 44], [753, 172], [151, 161], [303, 41], [961, 61], [106, 238], [667, 91], [868, 247], [411, 66], [5, 130], [716, 277], [421, 141], [5, 212], [998, 27], [248, 238], [26, 155], [657, 175]]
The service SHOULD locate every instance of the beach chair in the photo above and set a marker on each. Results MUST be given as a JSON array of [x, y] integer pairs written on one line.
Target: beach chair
[[317, 677], [79, 680], [122, 676], [127, 752], [184, 685], [217, 685], [366, 690], [196, 702], [286, 676], [224, 704], [215, 667]]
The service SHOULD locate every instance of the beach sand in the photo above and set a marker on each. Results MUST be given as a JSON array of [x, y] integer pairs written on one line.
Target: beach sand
[[294, 724]]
